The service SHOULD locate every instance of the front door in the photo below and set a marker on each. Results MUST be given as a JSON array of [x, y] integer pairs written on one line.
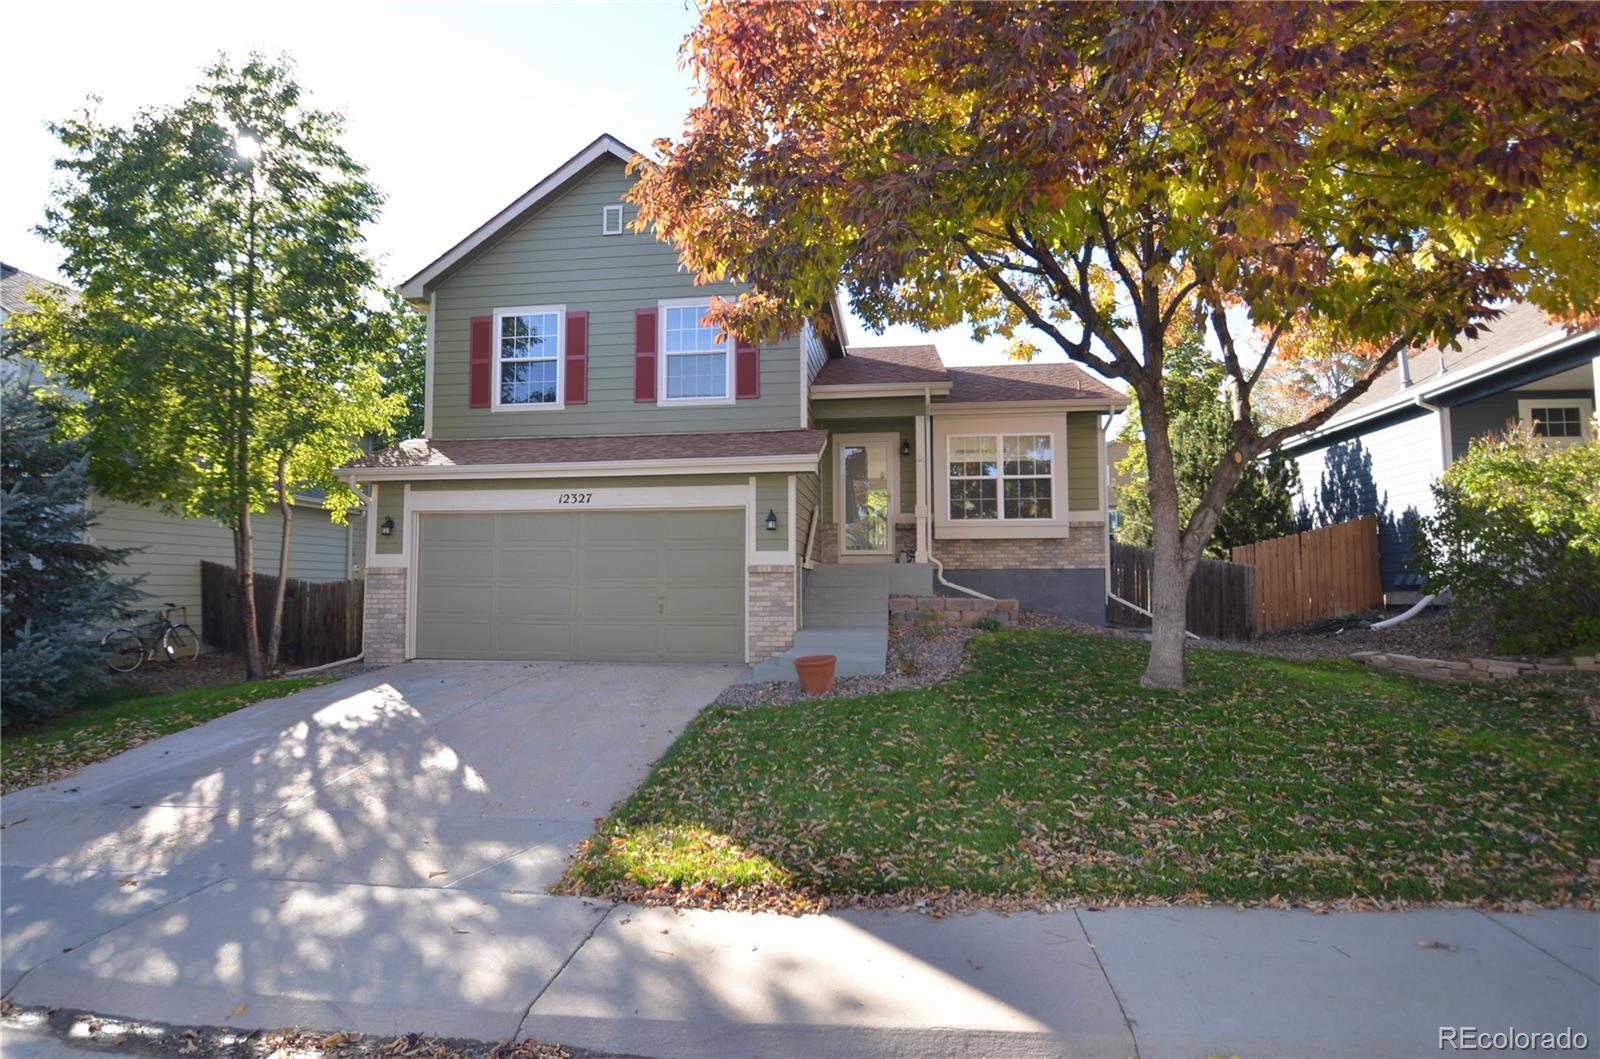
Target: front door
[[866, 483]]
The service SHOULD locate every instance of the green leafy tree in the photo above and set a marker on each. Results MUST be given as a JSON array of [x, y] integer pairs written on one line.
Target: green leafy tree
[[57, 590], [226, 324], [1085, 173], [1261, 505], [406, 375], [1515, 537]]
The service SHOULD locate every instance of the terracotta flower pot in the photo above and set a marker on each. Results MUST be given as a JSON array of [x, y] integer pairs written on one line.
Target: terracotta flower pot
[[815, 673]]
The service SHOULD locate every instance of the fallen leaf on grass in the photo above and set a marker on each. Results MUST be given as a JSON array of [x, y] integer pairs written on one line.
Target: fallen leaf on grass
[[239, 1010], [1445, 945]]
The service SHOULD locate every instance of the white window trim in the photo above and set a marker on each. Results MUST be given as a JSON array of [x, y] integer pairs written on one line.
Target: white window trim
[[561, 359], [946, 427], [1585, 407], [606, 214], [662, 356]]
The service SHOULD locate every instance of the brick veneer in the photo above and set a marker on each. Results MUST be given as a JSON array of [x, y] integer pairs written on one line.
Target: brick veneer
[[383, 622], [905, 537], [1085, 548], [770, 608]]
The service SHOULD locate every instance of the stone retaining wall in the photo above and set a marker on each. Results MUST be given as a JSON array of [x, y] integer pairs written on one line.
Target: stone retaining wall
[[950, 610], [1474, 668]]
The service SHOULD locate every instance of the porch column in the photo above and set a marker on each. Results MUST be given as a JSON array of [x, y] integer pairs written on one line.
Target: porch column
[[922, 488]]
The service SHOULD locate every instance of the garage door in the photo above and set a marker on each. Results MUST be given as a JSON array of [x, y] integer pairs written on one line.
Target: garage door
[[634, 586]]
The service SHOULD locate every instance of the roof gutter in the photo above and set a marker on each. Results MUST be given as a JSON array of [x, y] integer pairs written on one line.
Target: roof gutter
[[1545, 345]]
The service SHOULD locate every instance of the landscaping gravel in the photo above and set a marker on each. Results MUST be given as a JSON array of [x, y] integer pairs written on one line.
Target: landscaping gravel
[[918, 655]]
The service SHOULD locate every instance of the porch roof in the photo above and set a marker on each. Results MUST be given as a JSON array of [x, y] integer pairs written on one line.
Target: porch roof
[[999, 383], [883, 366]]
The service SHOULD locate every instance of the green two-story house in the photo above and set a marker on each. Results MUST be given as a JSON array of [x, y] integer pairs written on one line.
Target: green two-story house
[[604, 476]]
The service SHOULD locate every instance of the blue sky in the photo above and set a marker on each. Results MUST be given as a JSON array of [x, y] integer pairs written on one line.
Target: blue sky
[[456, 109]]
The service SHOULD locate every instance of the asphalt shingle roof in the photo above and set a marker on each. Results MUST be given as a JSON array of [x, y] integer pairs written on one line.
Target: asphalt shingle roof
[[879, 365], [479, 452], [1050, 381]]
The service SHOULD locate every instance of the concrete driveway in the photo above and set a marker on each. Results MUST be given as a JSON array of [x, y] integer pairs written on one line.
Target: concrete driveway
[[420, 804]]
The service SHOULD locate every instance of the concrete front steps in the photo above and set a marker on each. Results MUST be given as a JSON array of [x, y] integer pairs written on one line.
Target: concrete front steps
[[856, 595], [846, 614]]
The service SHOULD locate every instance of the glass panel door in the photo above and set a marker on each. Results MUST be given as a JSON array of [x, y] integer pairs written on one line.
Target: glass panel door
[[865, 474]]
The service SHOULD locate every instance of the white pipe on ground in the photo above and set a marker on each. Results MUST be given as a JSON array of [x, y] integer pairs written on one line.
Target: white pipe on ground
[[327, 665], [1134, 606], [1416, 608]]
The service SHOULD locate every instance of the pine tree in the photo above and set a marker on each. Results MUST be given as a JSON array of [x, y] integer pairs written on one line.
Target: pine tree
[[56, 589], [1261, 505]]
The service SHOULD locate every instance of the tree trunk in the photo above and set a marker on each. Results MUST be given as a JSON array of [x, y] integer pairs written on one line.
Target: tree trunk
[[275, 629], [243, 562], [1169, 580]]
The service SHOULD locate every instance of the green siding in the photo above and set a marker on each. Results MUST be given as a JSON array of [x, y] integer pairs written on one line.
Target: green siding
[[807, 496], [170, 549], [559, 257], [390, 502], [1083, 461], [905, 427], [772, 494], [866, 408]]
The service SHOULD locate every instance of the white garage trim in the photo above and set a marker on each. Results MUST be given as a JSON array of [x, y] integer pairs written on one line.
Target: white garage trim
[[495, 501]]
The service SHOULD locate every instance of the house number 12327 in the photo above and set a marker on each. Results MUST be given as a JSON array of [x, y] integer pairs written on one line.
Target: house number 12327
[[574, 498]]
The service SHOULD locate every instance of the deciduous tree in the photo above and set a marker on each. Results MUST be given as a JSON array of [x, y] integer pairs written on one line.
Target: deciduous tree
[[1091, 170], [226, 322]]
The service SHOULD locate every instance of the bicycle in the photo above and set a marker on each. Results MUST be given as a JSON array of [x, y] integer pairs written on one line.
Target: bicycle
[[127, 649]]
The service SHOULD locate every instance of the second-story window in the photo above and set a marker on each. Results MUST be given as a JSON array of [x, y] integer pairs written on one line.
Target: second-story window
[[697, 359], [528, 357]]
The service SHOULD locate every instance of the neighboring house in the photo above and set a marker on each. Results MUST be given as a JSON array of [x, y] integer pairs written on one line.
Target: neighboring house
[[1381, 455], [170, 549], [603, 477]]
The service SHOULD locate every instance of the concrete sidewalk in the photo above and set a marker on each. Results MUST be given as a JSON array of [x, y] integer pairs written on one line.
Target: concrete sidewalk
[[657, 982]]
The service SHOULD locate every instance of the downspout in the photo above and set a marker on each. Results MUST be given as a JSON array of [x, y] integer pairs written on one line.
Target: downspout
[[1426, 601], [366, 498], [938, 567]]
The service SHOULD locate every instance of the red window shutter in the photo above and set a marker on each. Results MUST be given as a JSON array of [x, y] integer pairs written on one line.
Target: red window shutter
[[577, 358], [480, 382], [746, 369], [644, 355]]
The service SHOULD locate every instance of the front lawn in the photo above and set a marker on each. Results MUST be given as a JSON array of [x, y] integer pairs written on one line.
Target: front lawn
[[1046, 772], [107, 722]]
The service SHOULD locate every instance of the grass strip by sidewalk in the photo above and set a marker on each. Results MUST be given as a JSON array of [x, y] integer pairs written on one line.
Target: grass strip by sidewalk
[[1046, 772], [107, 723]]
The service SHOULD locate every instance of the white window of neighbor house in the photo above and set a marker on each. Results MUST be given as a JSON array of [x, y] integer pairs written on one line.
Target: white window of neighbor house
[[1001, 476], [696, 357], [527, 353], [1558, 422]]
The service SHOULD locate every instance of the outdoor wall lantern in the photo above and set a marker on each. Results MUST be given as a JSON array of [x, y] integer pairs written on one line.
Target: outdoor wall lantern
[[772, 521], [388, 526], [905, 448]]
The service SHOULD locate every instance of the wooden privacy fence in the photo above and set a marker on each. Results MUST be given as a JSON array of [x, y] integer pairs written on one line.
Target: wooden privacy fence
[[1322, 573], [1220, 604], [321, 619]]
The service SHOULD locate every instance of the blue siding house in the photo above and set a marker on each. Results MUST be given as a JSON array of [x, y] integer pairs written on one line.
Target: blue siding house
[[1381, 455]]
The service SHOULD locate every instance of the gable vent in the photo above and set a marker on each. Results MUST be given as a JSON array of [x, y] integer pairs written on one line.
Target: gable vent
[[611, 220]]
